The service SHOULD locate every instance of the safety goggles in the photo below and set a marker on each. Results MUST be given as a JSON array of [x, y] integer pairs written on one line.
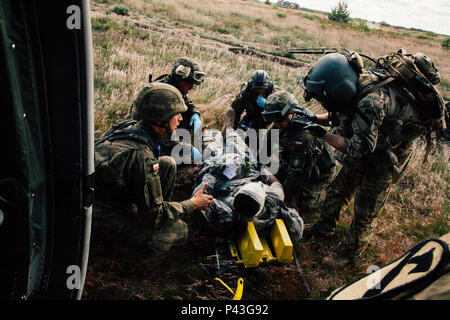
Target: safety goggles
[[276, 115], [198, 76]]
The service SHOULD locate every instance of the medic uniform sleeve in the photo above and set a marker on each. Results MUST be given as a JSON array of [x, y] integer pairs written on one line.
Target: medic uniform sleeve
[[366, 123]]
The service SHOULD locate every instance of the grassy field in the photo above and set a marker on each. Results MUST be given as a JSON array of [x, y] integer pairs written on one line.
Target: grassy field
[[133, 38]]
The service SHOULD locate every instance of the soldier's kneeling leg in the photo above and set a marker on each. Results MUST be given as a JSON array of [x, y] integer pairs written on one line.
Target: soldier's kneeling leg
[[168, 235], [167, 175]]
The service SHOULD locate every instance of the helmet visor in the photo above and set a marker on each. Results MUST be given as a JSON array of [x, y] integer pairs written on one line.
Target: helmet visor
[[315, 90], [302, 82]]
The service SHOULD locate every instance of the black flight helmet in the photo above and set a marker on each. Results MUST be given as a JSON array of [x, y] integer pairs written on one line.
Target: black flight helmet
[[331, 81], [261, 82]]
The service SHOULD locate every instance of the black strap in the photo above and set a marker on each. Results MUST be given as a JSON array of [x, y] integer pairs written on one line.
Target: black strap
[[123, 131], [372, 87], [116, 127], [160, 77]]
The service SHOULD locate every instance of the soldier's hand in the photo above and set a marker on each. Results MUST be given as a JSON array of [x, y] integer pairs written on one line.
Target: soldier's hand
[[309, 115], [201, 200], [196, 122], [315, 130]]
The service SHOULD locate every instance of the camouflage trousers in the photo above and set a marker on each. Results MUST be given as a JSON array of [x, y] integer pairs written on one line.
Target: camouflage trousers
[[309, 195], [228, 122], [122, 225], [370, 190]]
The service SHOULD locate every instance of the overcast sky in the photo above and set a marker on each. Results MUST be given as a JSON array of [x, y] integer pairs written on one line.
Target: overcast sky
[[429, 15]]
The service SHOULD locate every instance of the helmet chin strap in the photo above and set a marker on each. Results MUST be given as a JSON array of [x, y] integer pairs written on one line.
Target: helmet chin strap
[[164, 125]]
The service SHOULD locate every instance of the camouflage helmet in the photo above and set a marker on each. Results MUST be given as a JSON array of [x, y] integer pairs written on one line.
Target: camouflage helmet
[[187, 69], [278, 105], [158, 102], [426, 66]]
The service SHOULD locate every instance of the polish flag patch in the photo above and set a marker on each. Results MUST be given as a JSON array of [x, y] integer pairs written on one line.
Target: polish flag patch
[[298, 144], [156, 167]]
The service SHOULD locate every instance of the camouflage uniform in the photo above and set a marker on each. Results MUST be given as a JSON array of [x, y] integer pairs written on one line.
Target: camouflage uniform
[[134, 185], [246, 101], [444, 134], [306, 165], [167, 144], [306, 168], [378, 138], [192, 108]]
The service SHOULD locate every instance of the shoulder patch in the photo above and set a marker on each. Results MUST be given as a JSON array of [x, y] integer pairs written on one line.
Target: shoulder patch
[[364, 119], [152, 165], [298, 144], [367, 110]]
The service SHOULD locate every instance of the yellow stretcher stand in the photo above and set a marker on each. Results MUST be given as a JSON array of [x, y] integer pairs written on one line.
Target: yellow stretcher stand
[[250, 250], [281, 242], [267, 254], [250, 247]]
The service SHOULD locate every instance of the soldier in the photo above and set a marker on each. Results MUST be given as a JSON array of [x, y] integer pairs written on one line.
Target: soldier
[[134, 185], [306, 166], [251, 100], [374, 133], [444, 134], [185, 74]]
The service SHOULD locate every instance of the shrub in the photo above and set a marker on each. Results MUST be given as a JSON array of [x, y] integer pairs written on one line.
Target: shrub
[[103, 24], [340, 13], [362, 26], [309, 16], [446, 44], [121, 11], [281, 15]]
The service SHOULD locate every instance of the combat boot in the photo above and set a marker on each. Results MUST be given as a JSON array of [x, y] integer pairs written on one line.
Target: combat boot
[[315, 231], [344, 255]]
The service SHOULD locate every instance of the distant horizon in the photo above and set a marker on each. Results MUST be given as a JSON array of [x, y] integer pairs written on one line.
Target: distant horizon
[[429, 16]]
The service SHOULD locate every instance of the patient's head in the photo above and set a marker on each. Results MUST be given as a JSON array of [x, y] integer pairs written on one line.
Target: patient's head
[[249, 200]]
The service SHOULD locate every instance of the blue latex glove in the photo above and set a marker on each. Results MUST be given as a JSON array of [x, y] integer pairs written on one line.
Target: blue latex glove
[[196, 155], [261, 101], [196, 121]]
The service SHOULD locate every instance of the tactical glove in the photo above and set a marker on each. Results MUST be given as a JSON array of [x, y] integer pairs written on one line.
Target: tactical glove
[[315, 130], [309, 115], [196, 122]]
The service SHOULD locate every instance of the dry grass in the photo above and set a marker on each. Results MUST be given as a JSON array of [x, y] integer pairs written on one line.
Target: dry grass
[[155, 33], [126, 53]]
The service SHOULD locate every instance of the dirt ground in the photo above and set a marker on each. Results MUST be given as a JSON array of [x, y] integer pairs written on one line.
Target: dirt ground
[[188, 272]]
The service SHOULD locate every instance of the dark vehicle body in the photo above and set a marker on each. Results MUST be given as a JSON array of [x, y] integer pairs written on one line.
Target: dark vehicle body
[[46, 136]]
